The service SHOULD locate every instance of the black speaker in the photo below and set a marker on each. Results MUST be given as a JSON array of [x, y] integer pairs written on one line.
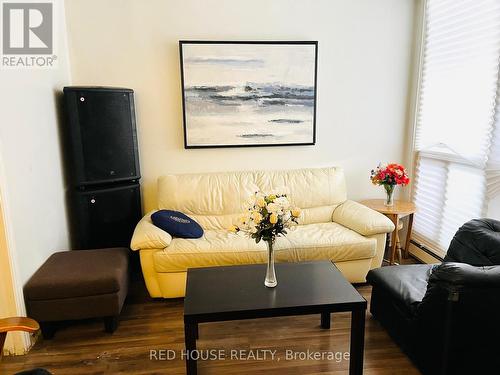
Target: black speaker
[[105, 217], [102, 165], [101, 135]]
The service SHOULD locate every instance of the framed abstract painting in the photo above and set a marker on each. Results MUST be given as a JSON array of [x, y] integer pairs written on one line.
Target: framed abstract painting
[[241, 94]]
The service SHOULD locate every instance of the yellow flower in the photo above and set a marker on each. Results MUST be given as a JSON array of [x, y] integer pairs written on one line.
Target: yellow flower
[[296, 212], [273, 219], [243, 220], [272, 207], [272, 197], [233, 228], [257, 217], [261, 202]]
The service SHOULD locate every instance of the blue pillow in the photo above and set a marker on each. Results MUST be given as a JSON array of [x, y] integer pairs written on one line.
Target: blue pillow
[[177, 224]]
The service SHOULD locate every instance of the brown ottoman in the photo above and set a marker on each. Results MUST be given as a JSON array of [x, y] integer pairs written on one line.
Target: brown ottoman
[[79, 284]]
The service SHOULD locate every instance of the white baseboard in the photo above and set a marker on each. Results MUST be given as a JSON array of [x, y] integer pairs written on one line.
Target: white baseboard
[[422, 255]]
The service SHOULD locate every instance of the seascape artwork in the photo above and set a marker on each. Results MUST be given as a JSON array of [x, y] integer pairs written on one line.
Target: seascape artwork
[[248, 93]]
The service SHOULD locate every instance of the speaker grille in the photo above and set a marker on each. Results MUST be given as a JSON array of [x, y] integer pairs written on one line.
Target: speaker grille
[[103, 141], [107, 217]]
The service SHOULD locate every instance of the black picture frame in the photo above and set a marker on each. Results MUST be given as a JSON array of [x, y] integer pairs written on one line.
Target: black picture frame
[[185, 125]]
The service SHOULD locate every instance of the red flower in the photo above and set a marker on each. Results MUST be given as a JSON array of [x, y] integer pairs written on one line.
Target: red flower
[[392, 174]]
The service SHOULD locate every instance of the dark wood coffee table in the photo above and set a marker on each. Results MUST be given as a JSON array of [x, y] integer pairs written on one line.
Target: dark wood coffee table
[[238, 292]]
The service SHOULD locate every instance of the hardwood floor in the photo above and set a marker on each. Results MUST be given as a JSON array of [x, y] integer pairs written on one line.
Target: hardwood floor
[[146, 324]]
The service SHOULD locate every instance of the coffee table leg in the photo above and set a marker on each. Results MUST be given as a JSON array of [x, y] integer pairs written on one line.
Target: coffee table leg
[[325, 320], [357, 342], [190, 335]]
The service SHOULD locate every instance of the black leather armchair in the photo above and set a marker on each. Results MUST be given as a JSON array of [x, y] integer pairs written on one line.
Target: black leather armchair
[[446, 317]]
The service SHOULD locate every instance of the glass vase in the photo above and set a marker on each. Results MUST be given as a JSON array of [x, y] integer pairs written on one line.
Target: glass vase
[[270, 281], [389, 191]]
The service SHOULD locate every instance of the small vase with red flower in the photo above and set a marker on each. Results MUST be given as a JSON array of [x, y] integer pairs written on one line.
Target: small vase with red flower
[[389, 176]]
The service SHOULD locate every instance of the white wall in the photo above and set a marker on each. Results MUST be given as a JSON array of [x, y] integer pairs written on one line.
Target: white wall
[[363, 74], [32, 182]]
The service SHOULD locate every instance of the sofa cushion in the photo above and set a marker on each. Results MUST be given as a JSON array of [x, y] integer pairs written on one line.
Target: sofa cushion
[[78, 273], [325, 241], [177, 224], [217, 200], [148, 236], [405, 284]]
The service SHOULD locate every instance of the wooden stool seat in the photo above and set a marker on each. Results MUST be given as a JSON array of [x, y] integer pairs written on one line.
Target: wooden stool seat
[[16, 324]]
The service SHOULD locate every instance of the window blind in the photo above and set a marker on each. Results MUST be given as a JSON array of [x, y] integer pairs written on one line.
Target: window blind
[[493, 165], [457, 140]]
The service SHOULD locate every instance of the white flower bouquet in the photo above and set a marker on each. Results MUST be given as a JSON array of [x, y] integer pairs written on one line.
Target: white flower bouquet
[[267, 217]]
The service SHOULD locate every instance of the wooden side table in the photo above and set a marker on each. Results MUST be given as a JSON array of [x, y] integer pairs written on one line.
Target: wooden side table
[[395, 212]]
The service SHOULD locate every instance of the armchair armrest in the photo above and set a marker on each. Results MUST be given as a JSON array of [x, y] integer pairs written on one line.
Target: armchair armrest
[[361, 219], [148, 236], [464, 275]]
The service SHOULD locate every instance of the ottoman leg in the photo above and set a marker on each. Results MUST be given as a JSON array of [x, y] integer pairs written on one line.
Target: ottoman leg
[[48, 330], [111, 323]]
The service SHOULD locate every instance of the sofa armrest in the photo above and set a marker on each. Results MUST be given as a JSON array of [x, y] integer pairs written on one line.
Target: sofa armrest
[[148, 236], [361, 219]]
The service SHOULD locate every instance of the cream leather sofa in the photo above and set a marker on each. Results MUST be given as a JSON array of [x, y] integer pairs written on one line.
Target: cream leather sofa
[[331, 227]]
